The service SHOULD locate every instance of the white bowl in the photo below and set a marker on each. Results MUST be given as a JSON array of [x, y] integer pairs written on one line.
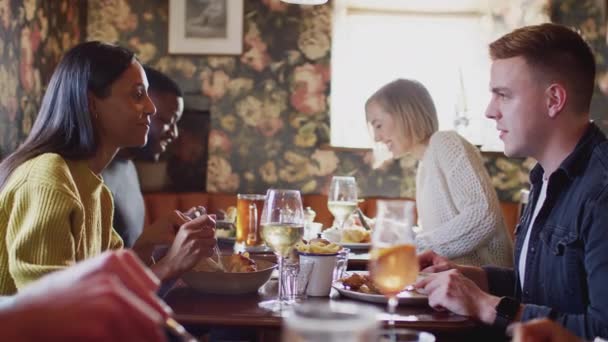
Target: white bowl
[[230, 283]]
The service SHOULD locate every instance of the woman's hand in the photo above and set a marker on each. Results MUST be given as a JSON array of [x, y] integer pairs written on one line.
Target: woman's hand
[[194, 240]]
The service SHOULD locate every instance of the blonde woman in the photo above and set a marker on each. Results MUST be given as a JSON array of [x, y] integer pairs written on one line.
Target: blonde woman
[[459, 215]]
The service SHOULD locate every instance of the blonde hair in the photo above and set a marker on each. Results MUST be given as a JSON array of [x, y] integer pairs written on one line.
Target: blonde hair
[[411, 106]]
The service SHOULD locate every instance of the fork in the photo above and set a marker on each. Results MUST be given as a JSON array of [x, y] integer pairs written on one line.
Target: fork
[[363, 219], [216, 250], [178, 330]]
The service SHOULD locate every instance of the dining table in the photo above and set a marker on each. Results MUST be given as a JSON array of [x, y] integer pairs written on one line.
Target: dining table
[[201, 312]]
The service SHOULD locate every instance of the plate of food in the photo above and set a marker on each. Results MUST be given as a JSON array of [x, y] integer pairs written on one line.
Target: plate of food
[[238, 274], [359, 286], [354, 237]]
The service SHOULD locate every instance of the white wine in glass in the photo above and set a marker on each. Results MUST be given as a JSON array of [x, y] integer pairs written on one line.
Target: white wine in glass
[[282, 225], [393, 264], [282, 237], [342, 198]]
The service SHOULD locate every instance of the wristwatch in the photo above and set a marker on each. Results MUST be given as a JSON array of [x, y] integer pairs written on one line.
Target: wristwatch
[[505, 312]]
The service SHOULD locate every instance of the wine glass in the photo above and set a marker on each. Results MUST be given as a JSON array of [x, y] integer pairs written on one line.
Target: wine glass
[[282, 225], [342, 198], [393, 264]]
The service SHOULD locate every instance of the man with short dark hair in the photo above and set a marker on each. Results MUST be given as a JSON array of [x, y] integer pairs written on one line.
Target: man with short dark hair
[[542, 80]]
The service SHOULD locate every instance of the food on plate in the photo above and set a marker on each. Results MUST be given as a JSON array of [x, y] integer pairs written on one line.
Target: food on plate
[[355, 234], [318, 246], [235, 263], [360, 283]]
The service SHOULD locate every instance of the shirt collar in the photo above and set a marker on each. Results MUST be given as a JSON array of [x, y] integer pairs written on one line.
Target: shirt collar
[[574, 163]]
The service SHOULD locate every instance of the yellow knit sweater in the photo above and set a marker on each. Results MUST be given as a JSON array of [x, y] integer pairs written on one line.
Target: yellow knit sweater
[[53, 213]]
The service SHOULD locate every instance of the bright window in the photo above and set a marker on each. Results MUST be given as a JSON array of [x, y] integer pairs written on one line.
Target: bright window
[[443, 49]]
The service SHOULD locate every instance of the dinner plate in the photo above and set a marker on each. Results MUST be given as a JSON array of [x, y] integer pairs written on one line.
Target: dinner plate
[[405, 297], [356, 245]]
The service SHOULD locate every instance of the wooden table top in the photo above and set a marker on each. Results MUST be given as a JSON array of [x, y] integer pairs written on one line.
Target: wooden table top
[[193, 308]]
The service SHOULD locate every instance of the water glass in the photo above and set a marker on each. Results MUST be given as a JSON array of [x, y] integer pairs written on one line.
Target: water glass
[[295, 280], [331, 322], [341, 263], [403, 335]]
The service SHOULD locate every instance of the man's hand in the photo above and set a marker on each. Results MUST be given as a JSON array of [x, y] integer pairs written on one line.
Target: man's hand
[[431, 262], [454, 291]]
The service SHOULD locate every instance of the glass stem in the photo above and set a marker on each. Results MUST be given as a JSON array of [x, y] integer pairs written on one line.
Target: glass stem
[[392, 305], [280, 262]]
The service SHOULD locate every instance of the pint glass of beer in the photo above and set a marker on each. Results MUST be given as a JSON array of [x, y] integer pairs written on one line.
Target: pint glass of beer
[[249, 209]]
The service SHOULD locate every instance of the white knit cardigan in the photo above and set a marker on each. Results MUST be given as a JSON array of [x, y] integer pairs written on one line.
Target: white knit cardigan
[[459, 216]]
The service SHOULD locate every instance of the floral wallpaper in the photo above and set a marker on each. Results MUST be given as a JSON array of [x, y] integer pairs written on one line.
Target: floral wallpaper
[[34, 34], [589, 17], [269, 106]]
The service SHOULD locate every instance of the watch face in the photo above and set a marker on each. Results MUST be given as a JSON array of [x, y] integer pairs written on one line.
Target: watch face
[[505, 312]]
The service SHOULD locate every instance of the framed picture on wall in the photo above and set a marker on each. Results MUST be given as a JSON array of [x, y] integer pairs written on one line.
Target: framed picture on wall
[[206, 27]]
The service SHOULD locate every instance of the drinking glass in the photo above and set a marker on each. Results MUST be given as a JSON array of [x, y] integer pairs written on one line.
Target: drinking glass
[[331, 322], [342, 198], [248, 235], [282, 224], [393, 264]]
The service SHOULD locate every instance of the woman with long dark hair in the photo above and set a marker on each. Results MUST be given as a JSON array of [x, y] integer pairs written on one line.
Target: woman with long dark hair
[[55, 209]]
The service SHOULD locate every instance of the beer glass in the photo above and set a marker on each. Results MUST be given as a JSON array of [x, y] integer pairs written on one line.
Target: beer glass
[[248, 210]]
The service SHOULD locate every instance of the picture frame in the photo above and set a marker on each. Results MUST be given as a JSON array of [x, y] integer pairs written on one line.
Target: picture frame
[[206, 27]]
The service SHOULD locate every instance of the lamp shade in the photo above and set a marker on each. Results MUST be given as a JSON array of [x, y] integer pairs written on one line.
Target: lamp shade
[[305, 2]]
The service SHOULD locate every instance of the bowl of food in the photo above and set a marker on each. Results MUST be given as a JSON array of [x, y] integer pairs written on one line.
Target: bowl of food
[[240, 274]]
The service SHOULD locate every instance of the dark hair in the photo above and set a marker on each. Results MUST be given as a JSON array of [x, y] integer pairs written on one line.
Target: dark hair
[[557, 52], [64, 124], [161, 82]]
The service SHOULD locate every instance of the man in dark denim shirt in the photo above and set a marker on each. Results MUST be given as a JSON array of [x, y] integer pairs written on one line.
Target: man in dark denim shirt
[[542, 80]]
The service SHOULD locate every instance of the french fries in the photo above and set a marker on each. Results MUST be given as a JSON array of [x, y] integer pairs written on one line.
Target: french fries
[[318, 246]]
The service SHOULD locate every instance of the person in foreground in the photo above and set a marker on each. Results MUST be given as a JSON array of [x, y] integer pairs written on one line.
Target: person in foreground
[[459, 215], [542, 80], [544, 330], [88, 302], [56, 210]]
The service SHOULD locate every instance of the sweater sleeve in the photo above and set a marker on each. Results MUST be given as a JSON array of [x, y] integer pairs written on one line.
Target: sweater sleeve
[[476, 220], [39, 233], [115, 240]]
